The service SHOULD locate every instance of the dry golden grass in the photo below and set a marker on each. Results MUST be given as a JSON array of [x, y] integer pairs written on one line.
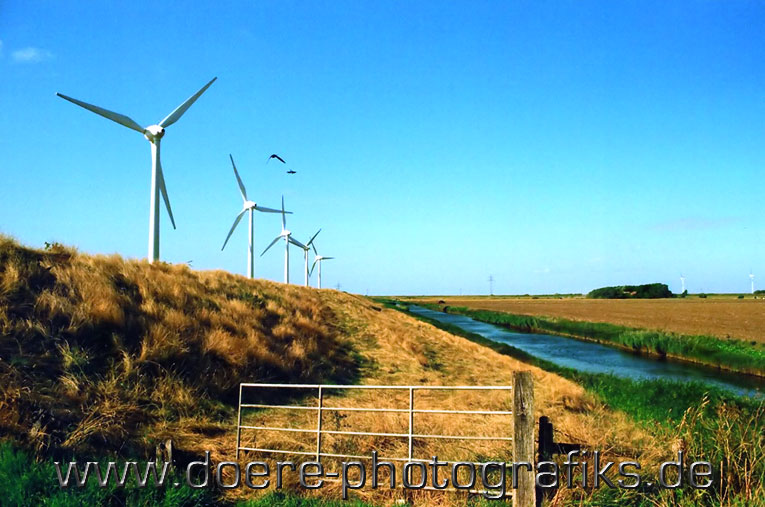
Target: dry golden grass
[[722, 317], [99, 354], [95, 350]]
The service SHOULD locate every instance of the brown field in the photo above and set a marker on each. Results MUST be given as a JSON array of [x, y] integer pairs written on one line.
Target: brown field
[[724, 317]]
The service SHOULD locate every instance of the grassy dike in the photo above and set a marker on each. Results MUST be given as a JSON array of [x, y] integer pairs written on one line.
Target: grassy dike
[[708, 423], [734, 355]]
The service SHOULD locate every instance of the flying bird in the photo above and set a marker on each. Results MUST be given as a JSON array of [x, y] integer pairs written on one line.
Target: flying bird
[[291, 172], [280, 159]]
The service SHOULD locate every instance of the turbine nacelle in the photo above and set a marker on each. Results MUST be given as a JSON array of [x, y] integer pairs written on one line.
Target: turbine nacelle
[[154, 133], [249, 205]]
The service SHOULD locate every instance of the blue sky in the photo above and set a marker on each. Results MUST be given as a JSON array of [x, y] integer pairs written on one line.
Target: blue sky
[[559, 146]]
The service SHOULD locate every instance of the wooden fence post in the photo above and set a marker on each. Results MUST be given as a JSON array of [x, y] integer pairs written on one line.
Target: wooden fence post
[[523, 438]]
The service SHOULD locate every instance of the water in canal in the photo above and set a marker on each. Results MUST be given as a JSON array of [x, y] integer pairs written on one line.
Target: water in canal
[[596, 358]]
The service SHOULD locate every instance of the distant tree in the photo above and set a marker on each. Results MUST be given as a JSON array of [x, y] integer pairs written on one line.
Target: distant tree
[[645, 291]]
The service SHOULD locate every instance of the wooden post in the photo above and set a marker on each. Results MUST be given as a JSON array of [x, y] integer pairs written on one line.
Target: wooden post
[[523, 438]]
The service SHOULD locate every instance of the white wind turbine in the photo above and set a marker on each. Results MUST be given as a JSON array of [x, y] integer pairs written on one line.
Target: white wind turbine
[[682, 281], [250, 206], [287, 235], [751, 278], [306, 248], [154, 134], [317, 260]]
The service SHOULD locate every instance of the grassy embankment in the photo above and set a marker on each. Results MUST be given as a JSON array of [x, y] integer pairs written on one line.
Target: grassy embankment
[[707, 423], [734, 355], [104, 358]]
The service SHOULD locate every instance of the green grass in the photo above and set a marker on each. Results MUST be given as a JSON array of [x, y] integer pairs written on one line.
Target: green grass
[[736, 355], [288, 500], [26, 482]]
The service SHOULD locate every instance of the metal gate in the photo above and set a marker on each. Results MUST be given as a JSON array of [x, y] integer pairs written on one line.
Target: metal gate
[[522, 415]]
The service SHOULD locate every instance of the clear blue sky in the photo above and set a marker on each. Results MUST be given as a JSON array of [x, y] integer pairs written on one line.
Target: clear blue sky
[[559, 146]]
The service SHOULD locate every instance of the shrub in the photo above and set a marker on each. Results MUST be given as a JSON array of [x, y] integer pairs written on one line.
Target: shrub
[[645, 291]]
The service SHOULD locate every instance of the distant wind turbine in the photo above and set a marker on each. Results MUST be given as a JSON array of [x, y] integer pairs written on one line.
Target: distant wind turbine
[[154, 134], [250, 206], [751, 278], [287, 235], [306, 248], [682, 282], [318, 260]]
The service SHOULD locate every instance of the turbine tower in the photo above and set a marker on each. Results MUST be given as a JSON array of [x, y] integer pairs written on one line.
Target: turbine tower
[[306, 248], [751, 278], [287, 235], [682, 282], [153, 134], [317, 260], [250, 206]]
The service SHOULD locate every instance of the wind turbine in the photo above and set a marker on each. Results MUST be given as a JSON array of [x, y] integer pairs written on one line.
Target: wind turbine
[[306, 248], [751, 277], [682, 282], [287, 235], [250, 206], [317, 260], [153, 134]]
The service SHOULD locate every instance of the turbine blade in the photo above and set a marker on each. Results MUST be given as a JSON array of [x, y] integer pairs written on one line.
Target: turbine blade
[[313, 245], [310, 241], [236, 222], [326, 258], [277, 238], [163, 191], [284, 217], [238, 179], [116, 117], [271, 210], [313, 266], [176, 115], [297, 243]]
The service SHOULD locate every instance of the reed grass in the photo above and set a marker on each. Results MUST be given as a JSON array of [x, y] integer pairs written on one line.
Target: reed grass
[[736, 355]]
